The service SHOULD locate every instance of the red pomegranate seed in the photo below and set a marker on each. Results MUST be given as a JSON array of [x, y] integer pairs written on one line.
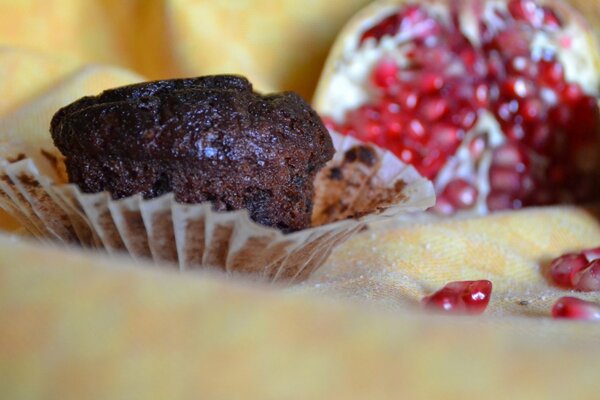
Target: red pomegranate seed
[[561, 115], [472, 61], [509, 155], [431, 163], [507, 110], [498, 201], [532, 109], [407, 155], [408, 98], [527, 10], [463, 297], [372, 130], [588, 279], [505, 179], [465, 118], [577, 309], [512, 43], [385, 73], [416, 129], [540, 137], [551, 72], [394, 129], [434, 108], [592, 254], [564, 269], [495, 66], [461, 194], [329, 123], [477, 146], [443, 206], [445, 137], [515, 131], [520, 65], [413, 14], [517, 87], [430, 82], [551, 20], [481, 95], [528, 186], [572, 93], [549, 96]]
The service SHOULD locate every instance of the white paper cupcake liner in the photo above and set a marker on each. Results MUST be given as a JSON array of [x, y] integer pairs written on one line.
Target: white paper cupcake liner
[[361, 184]]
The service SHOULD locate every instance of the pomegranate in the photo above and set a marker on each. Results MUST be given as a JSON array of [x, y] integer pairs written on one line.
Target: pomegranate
[[463, 297], [579, 271], [574, 308], [494, 100]]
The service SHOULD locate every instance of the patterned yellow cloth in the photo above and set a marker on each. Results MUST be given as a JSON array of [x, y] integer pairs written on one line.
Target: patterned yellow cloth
[[83, 326]]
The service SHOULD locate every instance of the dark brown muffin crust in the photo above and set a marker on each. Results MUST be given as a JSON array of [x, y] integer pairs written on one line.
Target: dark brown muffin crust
[[205, 139]]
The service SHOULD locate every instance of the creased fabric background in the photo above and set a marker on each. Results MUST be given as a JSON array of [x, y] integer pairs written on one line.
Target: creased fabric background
[[75, 325]]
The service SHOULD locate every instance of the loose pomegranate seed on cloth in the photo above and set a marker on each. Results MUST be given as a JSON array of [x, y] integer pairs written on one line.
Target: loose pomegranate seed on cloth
[[462, 297], [577, 309], [490, 101], [563, 269], [577, 271]]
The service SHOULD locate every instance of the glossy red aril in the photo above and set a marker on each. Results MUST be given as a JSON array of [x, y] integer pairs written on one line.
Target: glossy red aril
[[462, 297], [564, 269], [460, 194], [588, 279], [579, 271], [443, 84], [592, 254], [385, 74], [577, 309]]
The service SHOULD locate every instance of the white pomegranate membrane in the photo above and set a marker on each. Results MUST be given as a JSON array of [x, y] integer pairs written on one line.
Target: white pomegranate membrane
[[490, 103]]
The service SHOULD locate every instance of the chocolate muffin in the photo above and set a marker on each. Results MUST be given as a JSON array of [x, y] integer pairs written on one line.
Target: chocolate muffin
[[204, 139]]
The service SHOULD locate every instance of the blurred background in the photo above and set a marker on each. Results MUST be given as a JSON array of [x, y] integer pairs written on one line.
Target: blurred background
[[277, 44]]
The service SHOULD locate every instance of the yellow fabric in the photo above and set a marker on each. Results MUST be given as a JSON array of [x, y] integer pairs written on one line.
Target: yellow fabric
[[276, 43], [81, 327], [75, 326]]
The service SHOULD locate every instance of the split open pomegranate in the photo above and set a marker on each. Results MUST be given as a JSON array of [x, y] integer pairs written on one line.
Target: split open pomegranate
[[494, 100]]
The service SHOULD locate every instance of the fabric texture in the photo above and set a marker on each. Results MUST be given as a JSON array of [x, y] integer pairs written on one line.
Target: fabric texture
[[77, 325]]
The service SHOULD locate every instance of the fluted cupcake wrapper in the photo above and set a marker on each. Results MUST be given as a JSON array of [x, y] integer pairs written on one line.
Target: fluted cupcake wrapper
[[360, 185]]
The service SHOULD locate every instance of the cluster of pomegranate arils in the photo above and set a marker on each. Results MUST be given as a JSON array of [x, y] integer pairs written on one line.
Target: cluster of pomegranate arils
[[575, 271], [581, 272], [424, 110]]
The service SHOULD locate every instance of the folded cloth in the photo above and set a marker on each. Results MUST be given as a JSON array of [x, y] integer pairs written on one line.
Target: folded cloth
[[76, 325], [278, 45]]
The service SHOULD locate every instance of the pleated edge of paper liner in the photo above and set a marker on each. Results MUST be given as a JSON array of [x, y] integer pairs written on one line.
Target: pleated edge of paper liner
[[377, 186]]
